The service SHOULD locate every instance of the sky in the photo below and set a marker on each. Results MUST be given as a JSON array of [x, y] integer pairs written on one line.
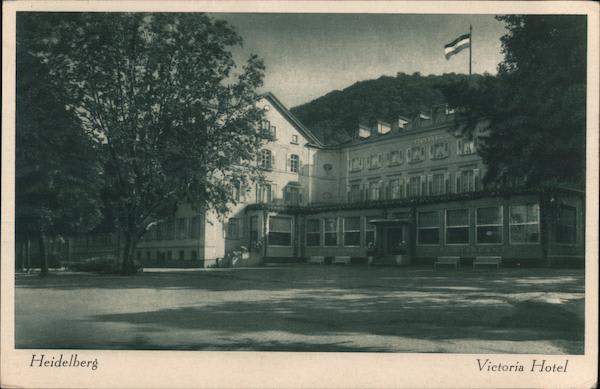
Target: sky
[[308, 55]]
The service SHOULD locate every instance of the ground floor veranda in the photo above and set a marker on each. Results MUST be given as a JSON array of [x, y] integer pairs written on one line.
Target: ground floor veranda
[[530, 227]]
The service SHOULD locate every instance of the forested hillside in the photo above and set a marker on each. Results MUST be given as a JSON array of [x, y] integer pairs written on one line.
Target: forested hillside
[[336, 115]]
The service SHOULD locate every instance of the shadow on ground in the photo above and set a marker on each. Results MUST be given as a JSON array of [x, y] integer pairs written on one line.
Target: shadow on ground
[[326, 302]]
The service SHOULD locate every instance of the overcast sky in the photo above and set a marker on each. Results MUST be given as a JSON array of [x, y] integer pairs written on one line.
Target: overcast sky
[[308, 55]]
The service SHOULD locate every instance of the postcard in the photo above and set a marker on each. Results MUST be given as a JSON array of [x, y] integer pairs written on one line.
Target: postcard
[[299, 194]]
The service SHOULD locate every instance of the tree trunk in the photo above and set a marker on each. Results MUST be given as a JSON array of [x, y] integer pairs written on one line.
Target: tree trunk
[[127, 267], [127, 264], [43, 255]]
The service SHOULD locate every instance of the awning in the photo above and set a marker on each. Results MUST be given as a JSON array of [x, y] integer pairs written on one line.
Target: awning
[[389, 222]]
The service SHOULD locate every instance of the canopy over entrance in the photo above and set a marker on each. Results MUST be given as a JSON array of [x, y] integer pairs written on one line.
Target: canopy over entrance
[[389, 222]]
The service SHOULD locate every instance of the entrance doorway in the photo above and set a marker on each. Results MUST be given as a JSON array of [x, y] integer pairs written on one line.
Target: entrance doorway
[[394, 238]]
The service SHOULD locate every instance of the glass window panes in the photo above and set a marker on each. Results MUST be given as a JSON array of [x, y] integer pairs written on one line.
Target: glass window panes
[[294, 163], [524, 223], [457, 226], [330, 231], [280, 231], [313, 232], [490, 215], [265, 159], [489, 225], [429, 219], [428, 227], [370, 231], [352, 231]]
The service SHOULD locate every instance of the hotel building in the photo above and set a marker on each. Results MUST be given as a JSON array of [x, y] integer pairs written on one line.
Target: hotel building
[[411, 187]]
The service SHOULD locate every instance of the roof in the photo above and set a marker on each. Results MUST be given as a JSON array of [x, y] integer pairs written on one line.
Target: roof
[[292, 119]]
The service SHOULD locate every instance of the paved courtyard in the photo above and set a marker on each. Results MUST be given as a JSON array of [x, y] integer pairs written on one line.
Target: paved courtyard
[[307, 308]]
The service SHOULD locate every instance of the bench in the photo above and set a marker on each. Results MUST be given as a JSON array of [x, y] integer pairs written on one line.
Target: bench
[[318, 259], [487, 260], [343, 259], [454, 261]]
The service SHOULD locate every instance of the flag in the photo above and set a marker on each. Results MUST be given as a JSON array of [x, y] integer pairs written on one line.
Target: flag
[[456, 46]]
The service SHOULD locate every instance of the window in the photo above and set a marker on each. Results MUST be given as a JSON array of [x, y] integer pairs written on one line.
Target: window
[[266, 126], [457, 226], [294, 163], [565, 227], [235, 192], [181, 255], [292, 195], [466, 182], [374, 190], [330, 232], [269, 129], [266, 159], [395, 188], [264, 193], [295, 139], [280, 231], [465, 147], [233, 228], [524, 223], [313, 232], [395, 158], [355, 164], [195, 227], [489, 225], [370, 231], [352, 231], [194, 255], [139, 255], [253, 229], [415, 154], [415, 186], [374, 161], [428, 227], [354, 192], [438, 185], [182, 228], [439, 150]]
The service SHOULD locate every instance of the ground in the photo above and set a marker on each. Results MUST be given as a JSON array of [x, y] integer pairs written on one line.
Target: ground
[[307, 308]]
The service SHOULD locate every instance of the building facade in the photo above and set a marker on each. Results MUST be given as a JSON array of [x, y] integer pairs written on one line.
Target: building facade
[[412, 187]]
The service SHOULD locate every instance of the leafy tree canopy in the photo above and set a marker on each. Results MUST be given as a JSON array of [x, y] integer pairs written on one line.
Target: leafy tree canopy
[[160, 95], [536, 104]]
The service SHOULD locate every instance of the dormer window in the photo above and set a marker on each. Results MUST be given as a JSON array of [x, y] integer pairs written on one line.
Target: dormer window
[[383, 127], [364, 132]]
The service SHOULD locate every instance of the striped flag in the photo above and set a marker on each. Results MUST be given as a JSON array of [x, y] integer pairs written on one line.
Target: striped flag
[[457, 45]]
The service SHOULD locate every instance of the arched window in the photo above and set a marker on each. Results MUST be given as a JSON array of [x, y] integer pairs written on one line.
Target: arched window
[[266, 159]]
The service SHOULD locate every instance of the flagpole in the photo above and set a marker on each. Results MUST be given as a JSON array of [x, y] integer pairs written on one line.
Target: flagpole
[[470, 48]]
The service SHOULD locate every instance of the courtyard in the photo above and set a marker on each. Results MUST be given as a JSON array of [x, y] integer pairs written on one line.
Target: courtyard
[[306, 308]]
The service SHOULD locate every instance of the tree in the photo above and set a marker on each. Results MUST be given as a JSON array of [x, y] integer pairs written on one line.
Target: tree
[[535, 106], [57, 178], [159, 94]]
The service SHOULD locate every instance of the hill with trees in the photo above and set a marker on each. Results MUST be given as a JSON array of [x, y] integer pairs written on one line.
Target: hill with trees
[[335, 116]]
